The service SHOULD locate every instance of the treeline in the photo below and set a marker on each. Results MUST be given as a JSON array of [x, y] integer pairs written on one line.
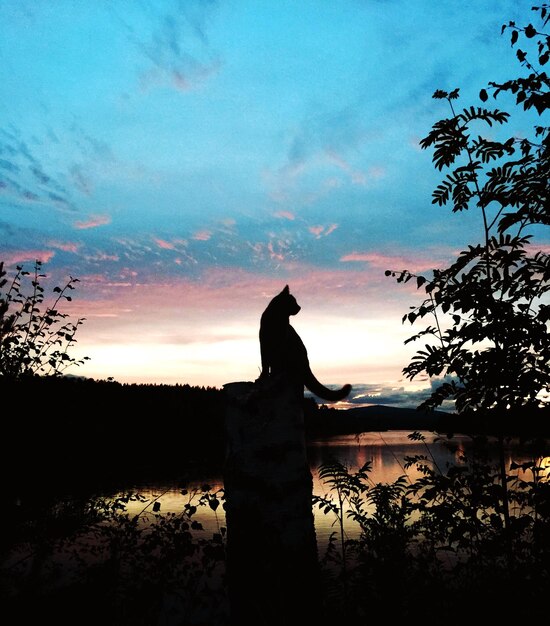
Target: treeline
[[69, 433], [70, 430], [73, 430]]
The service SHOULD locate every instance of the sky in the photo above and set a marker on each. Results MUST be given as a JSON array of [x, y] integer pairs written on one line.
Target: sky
[[187, 159]]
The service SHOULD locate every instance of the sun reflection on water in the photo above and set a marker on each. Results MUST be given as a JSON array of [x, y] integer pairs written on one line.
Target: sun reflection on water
[[385, 451]]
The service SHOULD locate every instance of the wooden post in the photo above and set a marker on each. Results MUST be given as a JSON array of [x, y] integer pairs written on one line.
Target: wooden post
[[271, 546]]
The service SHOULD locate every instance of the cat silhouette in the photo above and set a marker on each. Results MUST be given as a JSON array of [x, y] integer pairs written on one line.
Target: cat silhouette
[[284, 354]]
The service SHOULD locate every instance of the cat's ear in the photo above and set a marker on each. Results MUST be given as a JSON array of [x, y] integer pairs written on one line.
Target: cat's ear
[[285, 290]]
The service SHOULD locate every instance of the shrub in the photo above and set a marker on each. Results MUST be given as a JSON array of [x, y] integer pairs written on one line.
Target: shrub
[[35, 338]]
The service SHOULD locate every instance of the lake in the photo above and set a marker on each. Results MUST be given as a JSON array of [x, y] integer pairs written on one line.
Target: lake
[[386, 451], [123, 560]]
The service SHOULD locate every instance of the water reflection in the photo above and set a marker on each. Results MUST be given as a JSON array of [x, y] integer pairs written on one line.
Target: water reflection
[[386, 451]]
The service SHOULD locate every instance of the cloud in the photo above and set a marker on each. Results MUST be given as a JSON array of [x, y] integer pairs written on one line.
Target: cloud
[[316, 230], [226, 287], [28, 179], [357, 177], [177, 49], [285, 215], [414, 263], [202, 235], [19, 192], [186, 260], [174, 244], [369, 394], [165, 245], [322, 141], [93, 222], [8, 166], [42, 178], [80, 180], [30, 165], [14, 257], [188, 78], [322, 231], [276, 250], [68, 246], [101, 256], [145, 307], [376, 172]]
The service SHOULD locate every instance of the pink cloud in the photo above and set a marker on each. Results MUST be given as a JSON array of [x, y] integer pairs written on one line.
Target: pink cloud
[[286, 215], [25, 256], [202, 235], [94, 279], [93, 222], [227, 293], [394, 262], [224, 302], [324, 231], [316, 230], [65, 246], [165, 245]]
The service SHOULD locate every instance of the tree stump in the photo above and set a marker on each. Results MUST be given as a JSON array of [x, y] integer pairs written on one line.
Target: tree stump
[[272, 562]]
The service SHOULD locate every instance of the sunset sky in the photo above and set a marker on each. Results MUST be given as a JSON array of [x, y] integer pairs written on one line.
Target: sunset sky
[[188, 159]]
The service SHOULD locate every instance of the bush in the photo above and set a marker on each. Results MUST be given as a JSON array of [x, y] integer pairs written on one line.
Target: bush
[[34, 338]]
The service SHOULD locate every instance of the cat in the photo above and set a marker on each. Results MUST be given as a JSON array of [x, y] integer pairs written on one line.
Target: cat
[[283, 352]]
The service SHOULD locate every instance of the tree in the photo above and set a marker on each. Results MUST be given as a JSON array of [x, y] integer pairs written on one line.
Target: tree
[[34, 339], [489, 337]]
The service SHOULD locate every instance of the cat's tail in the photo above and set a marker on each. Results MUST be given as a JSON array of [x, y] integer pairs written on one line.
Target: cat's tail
[[332, 395]]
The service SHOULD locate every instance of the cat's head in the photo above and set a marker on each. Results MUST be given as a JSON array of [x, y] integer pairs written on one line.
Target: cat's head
[[285, 303]]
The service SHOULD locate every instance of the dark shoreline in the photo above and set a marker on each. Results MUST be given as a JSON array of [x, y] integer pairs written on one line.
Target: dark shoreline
[[85, 434]]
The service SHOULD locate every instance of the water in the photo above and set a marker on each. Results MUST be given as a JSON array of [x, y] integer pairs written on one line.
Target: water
[[386, 452]]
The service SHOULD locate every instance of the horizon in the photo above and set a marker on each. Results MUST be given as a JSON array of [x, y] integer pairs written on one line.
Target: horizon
[[187, 160]]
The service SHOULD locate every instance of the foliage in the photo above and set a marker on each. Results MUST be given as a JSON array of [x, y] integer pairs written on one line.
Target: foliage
[[34, 338], [489, 339], [347, 489], [434, 539], [119, 560], [440, 536]]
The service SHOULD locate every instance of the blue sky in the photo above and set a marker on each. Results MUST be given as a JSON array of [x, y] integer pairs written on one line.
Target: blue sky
[[187, 159]]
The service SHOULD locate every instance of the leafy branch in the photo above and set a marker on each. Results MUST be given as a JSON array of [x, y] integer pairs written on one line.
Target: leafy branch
[[490, 307], [35, 339]]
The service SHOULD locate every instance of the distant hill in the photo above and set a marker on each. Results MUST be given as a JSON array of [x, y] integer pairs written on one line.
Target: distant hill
[[522, 422], [327, 421]]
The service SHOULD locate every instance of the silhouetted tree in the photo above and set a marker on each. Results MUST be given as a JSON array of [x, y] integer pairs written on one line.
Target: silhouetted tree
[[34, 338], [489, 337]]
